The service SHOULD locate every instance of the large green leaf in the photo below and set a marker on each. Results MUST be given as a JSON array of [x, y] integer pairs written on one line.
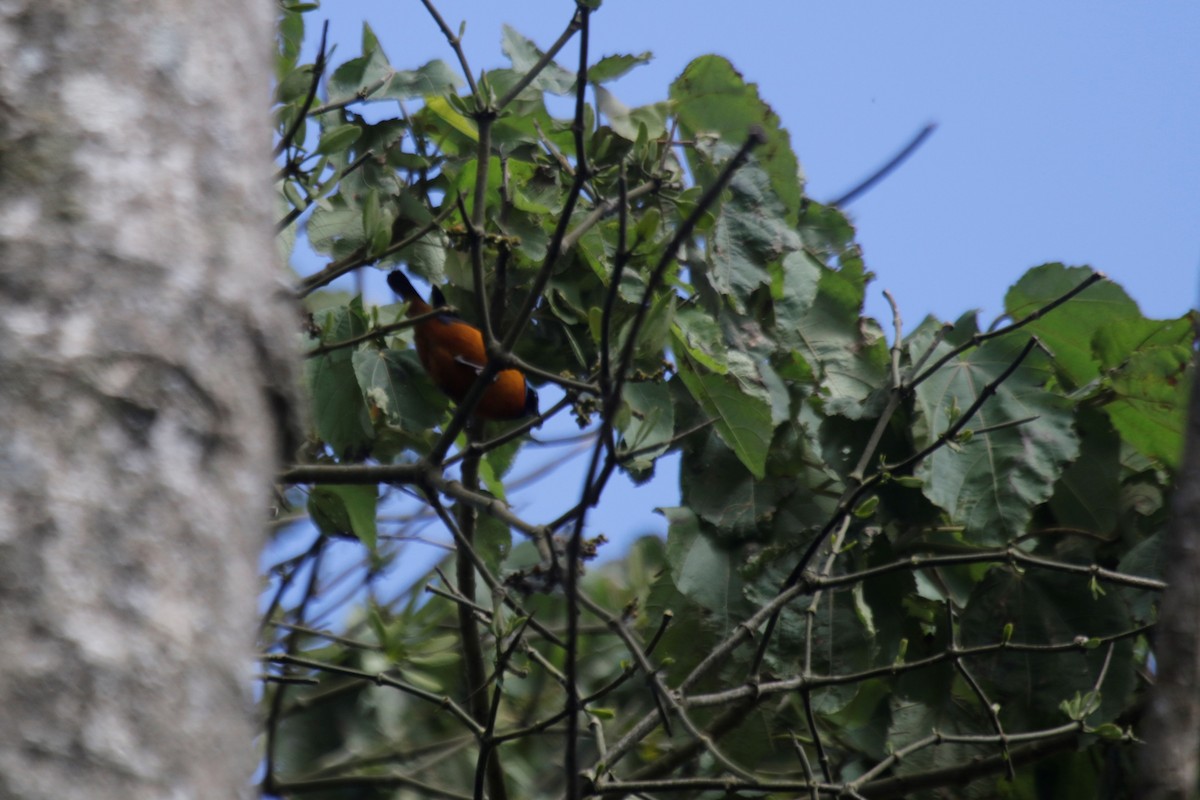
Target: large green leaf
[[698, 335], [914, 722], [701, 571], [717, 485], [349, 79], [818, 316], [991, 482], [632, 124], [444, 110], [751, 232], [712, 97], [493, 541], [840, 644], [524, 54], [1088, 496], [339, 139], [1149, 382], [394, 384], [339, 412], [742, 421], [1068, 330], [646, 423], [434, 78], [1152, 390], [1115, 342], [336, 230], [1144, 559]]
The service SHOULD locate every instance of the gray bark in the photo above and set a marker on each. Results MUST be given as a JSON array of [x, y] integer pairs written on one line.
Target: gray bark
[[1171, 730], [143, 376]]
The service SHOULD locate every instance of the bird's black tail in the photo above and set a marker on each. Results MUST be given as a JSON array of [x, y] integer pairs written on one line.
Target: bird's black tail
[[401, 286]]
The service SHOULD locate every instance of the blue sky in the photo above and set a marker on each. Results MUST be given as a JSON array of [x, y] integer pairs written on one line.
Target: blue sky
[[1067, 131]]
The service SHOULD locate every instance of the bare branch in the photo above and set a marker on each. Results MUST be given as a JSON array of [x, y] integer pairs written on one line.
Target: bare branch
[[455, 43]]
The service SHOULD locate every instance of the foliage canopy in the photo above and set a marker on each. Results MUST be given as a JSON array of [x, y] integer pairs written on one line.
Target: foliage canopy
[[900, 561]]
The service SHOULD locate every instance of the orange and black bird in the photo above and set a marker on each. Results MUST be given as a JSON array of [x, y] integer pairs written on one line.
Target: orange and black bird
[[453, 355]]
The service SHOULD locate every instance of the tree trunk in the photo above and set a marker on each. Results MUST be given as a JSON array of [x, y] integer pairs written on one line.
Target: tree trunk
[[1171, 729], [143, 376]]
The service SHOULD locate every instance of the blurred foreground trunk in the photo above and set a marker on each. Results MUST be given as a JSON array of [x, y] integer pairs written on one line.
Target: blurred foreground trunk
[[143, 377]]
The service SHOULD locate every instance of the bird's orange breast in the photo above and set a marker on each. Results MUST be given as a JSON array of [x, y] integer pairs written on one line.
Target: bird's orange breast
[[452, 352]]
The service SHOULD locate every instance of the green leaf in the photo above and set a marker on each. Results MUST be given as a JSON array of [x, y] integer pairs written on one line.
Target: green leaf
[[1115, 343], [434, 78], [290, 92], [712, 97], [377, 230], [719, 487], [912, 722], [370, 42], [610, 68], [818, 316], [524, 54], [338, 410], [841, 644], [493, 541], [1088, 496], [394, 385], [827, 637], [866, 509], [498, 461], [351, 79], [340, 510], [865, 718], [1150, 413], [743, 422], [697, 335], [655, 331], [701, 571], [1150, 389], [756, 378], [339, 139], [1068, 331], [441, 107], [891, 624], [991, 483], [1145, 559], [751, 232], [628, 123], [646, 423], [1108, 731], [335, 231]]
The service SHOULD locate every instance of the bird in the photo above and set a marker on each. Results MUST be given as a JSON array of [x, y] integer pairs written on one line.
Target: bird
[[452, 353]]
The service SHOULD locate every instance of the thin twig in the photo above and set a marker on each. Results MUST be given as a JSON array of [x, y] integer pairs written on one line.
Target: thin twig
[[988, 706], [577, 22], [980, 338], [364, 93], [377, 333], [455, 43], [575, 542], [302, 117], [309, 199], [360, 258]]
